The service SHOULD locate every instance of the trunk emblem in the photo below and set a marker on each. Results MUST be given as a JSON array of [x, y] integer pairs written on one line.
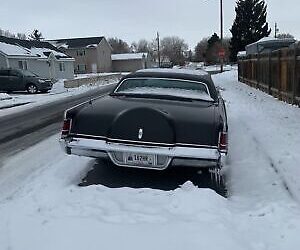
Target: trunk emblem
[[140, 134]]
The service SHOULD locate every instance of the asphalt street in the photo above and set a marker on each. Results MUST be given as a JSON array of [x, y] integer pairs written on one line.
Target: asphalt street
[[26, 128]]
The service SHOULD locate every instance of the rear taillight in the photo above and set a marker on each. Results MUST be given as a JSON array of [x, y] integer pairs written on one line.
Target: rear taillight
[[223, 142], [66, 128]]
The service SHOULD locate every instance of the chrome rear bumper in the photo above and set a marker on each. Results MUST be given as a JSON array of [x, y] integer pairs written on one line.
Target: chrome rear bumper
[[175, 156]]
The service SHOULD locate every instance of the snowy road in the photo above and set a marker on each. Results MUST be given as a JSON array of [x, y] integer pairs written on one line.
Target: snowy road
[[42, 207], [38, 122]]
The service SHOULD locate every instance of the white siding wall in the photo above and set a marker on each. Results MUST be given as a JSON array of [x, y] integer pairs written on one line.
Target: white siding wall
[[104, 56], [69, 70], [42, 68]]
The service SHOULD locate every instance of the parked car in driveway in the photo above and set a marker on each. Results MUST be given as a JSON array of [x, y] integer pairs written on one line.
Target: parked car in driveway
[[153, 119], [23, 80]]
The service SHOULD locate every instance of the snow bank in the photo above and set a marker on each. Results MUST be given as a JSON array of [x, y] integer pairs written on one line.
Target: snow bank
[[270, 126], [41, 206], [4, 96]]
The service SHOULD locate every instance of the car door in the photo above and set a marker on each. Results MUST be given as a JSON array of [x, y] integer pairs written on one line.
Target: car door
[[4, 80], [15, 80]]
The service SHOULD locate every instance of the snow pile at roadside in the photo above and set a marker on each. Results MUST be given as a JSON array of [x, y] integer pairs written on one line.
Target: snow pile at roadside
[[271, 126], [41, 206], [4, 96], [58, 91]]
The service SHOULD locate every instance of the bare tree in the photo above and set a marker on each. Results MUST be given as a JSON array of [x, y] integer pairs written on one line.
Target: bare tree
[[118, 45], [7, 33], [200, 51], [21, 36], [174, 48], [143, 46]]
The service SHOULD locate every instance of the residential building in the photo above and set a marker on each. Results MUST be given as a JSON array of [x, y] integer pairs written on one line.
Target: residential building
[[91, 54], [268, 44], [130, 62], [42, 58]]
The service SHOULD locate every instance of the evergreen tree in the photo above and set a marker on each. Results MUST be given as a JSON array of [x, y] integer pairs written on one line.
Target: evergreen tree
[[213, 47], [213, 40], [250, 25], [36, 35]]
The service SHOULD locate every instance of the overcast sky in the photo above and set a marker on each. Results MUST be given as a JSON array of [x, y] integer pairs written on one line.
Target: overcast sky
[[131, 20]]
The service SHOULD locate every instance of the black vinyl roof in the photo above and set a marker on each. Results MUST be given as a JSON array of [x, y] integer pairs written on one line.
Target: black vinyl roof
[[79, 42], [184, 74]]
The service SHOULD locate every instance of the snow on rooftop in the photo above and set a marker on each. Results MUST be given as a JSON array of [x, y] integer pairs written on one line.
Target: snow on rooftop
[[92, 45], [242, 53], [128, 56], [40, 52], [14, 50], [272, 39]]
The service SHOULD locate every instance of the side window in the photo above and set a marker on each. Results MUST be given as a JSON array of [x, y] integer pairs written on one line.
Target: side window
[[62, 67], [81, 67], [80, 52], [23, 65], [20, 63]]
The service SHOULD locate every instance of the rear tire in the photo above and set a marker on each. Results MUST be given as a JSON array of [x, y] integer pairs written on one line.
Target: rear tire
[[31, 88], [218, 181]]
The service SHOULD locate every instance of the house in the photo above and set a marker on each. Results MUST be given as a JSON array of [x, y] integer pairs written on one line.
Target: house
[[41, 58], [268, 44], [91, 54], [130, 62]]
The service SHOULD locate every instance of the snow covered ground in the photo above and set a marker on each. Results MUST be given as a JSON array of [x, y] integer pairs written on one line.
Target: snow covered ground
[[41, 206], [21, 100]]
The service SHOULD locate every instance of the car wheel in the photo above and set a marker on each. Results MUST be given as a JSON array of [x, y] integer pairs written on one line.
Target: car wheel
[[32, 88]]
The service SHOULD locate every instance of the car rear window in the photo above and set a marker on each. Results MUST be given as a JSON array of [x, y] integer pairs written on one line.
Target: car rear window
[[161, 86]]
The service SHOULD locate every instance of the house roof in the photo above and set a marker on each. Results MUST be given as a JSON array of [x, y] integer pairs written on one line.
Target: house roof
[[128, 56], [77, 42], [18, 47], [268, 44]]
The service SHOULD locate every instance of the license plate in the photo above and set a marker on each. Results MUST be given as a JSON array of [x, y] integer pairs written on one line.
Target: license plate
[[140, 159]]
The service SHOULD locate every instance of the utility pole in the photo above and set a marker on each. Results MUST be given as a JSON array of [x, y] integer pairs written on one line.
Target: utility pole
[[158, 49], [221, 30], [276, 30]]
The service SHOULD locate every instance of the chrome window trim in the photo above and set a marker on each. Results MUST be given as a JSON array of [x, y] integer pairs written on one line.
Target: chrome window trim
[[162, 78]]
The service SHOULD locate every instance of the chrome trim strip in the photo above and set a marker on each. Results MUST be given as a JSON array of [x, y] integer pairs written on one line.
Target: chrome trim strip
[[153, 144], [162, 78], [81, 104], [183, 152]]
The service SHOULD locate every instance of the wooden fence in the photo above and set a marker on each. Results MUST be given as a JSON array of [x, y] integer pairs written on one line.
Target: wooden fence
[[276, 73]]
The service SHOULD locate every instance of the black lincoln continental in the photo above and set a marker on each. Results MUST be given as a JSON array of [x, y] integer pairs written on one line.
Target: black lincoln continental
[[153, 119]]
